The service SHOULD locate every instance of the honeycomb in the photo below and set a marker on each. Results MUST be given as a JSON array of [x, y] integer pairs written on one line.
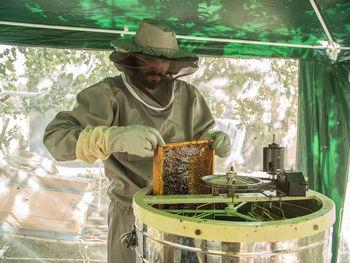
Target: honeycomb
[[177, 168]]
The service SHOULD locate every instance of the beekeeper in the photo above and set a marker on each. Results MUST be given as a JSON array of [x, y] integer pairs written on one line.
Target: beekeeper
[[122, 119]]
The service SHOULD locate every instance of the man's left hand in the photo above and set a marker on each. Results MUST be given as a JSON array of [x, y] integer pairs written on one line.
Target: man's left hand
[[222, 142]]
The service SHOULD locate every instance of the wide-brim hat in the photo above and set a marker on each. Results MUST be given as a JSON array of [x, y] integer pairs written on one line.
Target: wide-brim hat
[[154, 39]]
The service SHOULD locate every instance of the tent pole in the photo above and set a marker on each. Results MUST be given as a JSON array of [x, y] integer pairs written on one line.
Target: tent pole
[[320, 18], [87, 29], [126, 32], [250, 42]]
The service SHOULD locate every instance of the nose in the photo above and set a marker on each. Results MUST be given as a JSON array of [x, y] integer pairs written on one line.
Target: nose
[[160, 65], [155, 64]]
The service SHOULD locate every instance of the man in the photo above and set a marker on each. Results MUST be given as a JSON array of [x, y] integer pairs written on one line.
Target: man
[[121, 120]]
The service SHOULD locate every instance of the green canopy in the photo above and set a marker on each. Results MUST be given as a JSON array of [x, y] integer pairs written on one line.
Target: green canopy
[[315, 31], [286, 28]]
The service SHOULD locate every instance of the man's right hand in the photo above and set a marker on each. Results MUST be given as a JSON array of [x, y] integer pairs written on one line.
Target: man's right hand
[[134, 139]]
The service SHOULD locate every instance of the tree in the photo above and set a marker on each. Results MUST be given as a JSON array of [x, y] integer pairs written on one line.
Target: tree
[[35, 83], [259, 96]]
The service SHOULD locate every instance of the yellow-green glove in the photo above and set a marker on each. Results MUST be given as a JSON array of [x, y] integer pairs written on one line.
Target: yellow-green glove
[[100, 142], [222, 142], [135, 139]]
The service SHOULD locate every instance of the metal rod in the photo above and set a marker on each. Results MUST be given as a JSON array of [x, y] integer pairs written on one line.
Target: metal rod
[[250, 42], [113, 31], [239, 205], [320, 18], [193, 211], [87, 29], [198, 199]]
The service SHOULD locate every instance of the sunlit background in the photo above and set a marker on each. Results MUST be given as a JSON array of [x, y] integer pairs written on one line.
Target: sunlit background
[[57, 211]]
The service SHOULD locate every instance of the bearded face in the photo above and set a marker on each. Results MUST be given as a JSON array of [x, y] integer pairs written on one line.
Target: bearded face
[[150, 72]]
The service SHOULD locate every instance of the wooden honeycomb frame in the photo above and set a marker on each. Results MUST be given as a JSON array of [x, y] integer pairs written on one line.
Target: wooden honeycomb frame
[[177, 167]]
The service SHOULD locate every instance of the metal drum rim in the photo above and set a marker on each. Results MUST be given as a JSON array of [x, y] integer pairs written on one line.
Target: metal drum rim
[[227, 231]]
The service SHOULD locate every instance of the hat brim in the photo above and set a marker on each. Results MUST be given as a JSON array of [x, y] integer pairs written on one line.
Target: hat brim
[[128, 45], [176, 69]]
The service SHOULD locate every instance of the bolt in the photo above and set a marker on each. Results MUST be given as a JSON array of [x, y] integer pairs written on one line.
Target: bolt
[[197, 232]]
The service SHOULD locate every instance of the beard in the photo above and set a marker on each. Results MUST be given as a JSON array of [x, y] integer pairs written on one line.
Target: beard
[[143, 84], [140, 79]]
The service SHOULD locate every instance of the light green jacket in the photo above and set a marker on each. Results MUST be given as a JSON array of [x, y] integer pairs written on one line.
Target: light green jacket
[[109, 103]]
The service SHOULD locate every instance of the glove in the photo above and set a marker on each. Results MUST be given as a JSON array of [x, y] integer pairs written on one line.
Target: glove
[[222, 142], [100, 142], [135, 139]]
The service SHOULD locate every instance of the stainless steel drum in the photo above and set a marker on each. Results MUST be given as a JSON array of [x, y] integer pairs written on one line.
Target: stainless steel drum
[[206, 228]]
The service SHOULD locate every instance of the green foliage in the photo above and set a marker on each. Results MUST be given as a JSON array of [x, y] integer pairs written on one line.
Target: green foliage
[[51, 74], [242, 78], [41, 80], [12, 134], [262, 98], [261, 94]]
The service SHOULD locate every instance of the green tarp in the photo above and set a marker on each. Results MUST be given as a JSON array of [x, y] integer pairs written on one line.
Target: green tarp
[[284, 22], [316, 31], [324, 129]]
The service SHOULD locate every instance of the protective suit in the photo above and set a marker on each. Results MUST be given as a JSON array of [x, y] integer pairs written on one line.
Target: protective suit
[[109, 114]]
